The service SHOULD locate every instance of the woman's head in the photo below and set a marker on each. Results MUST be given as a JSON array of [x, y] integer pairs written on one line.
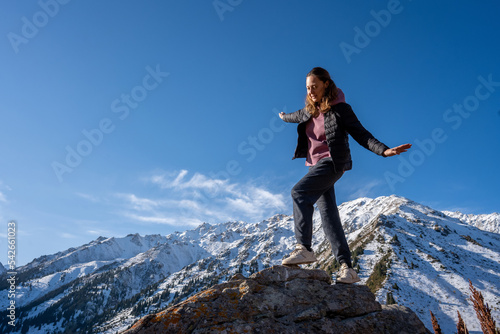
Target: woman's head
[[321, 90]]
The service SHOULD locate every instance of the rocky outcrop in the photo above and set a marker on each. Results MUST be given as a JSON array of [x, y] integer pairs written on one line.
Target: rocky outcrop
[[282, 300]]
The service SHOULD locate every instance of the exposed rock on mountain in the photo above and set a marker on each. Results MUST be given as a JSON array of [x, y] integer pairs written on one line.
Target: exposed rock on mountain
[[3, 270], [486, 222], [405, 252], [282, 300]]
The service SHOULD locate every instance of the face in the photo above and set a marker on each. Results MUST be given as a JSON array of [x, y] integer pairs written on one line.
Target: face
[[315, 88]]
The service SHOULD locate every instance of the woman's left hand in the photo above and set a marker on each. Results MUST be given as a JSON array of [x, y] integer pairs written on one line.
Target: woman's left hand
[[396, 150]]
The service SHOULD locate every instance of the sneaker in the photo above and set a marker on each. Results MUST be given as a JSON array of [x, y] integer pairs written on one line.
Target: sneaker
[[347, 275], [300, 256]]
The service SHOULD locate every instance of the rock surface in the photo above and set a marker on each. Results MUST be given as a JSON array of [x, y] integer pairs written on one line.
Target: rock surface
[[282, 300]]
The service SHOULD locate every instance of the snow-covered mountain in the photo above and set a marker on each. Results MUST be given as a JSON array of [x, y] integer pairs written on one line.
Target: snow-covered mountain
[[489, 222], [3, 270], [421, 256]]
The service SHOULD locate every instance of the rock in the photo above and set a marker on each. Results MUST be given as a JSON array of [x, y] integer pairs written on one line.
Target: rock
[[282, 299]]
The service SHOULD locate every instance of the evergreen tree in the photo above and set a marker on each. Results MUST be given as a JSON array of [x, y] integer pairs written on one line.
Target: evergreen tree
[[390, 298]]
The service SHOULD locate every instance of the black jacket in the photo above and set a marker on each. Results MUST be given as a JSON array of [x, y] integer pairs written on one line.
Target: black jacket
[[340, 120]]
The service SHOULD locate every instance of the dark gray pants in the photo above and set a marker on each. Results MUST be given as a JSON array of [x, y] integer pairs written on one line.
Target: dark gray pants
[[317, 186]]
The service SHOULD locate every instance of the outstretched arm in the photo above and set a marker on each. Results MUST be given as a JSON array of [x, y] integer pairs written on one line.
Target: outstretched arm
[[295, 117], [396, 150], [357, 131], [365, 138]]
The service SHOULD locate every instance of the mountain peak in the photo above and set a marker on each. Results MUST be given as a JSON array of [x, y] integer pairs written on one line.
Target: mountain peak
[[417, 255]]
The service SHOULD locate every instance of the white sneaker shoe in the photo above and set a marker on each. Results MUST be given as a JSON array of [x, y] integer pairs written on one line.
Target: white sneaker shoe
[[347, 275], [299, 256]]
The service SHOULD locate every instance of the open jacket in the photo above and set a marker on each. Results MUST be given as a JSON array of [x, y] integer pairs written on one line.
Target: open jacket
[[340, 120]]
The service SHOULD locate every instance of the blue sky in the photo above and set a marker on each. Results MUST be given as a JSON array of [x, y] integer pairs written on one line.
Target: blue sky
[[121, 117]]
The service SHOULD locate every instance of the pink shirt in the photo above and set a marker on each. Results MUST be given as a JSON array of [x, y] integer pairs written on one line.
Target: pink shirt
[[315, 131], [318, 148]]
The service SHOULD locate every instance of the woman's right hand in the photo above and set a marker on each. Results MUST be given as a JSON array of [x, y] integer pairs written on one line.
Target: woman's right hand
[[281, 114]]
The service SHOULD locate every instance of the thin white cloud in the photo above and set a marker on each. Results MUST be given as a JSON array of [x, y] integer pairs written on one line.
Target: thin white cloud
[[4, 186], [365, 190], [88, 197], [67, 235], [187, 204], [256, 203], [197, 181], [3, 198], [241, 205], [141, 204], [99, 232], [179, 178], [147, 204], [191, 200], [186, 212], [264, 197], [165, 220]]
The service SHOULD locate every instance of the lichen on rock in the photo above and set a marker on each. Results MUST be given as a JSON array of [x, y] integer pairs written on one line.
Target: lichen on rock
[[282, 299]]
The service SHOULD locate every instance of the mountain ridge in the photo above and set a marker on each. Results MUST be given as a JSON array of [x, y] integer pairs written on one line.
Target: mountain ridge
[[149, 273]]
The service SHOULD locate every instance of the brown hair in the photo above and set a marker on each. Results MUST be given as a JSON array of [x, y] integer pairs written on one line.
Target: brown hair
[[329, 95]]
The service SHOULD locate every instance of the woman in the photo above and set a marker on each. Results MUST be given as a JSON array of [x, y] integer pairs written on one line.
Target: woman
[[323, 127]]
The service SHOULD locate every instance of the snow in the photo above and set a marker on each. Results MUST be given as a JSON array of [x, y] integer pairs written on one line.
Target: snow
[[442, 247], [485, 222], [3, 269]]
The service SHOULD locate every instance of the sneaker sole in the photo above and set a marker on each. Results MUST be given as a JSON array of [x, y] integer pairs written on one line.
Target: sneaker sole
[[350, 282], [296, 263]]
